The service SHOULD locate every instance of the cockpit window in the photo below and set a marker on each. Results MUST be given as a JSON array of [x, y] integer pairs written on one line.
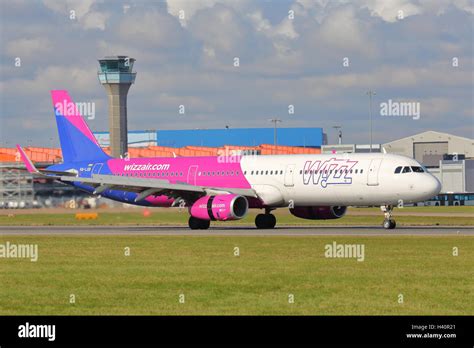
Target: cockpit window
[[406, 170], [398, 170], [418, 169]]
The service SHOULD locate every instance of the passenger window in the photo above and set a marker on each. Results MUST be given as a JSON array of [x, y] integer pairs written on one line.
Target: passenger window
[[356, 171], [398, 170], [251, 173], [406, 170], [361, 171], [281, 172]]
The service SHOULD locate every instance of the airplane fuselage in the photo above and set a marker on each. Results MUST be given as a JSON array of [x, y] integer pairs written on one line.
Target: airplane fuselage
[[280, 180]]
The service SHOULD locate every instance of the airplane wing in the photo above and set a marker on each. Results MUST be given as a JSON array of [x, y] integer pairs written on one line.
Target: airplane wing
[[146, 187]]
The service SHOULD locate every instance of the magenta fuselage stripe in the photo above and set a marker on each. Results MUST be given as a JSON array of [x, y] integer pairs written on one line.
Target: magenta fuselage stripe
[[201, 171]]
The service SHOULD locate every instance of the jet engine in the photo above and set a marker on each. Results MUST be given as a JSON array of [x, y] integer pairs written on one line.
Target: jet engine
[[220, 207], [318, 213]]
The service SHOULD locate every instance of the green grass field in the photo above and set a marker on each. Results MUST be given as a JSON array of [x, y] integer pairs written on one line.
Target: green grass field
[[448, 216], [259, 281]]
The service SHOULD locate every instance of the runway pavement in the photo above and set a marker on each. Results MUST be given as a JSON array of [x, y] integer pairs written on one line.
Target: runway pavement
[[233, 231]]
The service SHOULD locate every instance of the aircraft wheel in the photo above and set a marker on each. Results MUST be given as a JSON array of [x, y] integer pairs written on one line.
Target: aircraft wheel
[[393, 224], [389, 224], [197, 224], [204, 224], [271, 220], [265, 221]]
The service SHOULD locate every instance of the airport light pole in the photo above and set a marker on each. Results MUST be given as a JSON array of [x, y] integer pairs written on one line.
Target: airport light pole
[[339, 130], [275, 121], [370, 93]]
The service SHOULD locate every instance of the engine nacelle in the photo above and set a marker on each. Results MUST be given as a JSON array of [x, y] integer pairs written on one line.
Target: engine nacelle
[[319, 213], [220, 207]]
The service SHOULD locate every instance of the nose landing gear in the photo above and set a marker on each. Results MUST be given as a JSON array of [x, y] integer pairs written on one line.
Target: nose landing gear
[[388, 222]]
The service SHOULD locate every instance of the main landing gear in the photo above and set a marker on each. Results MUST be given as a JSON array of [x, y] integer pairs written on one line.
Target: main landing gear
[[388, 223], [198, 224], [265, 221]]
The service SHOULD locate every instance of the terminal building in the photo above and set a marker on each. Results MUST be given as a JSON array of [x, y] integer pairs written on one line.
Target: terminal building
[[301, 137]]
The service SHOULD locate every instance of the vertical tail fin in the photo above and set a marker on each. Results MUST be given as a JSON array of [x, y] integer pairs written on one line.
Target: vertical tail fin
[[77, 141]]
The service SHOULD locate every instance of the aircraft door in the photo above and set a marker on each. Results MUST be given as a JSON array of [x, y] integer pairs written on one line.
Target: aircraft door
[[373, 172], [290, 168], [192, 175]]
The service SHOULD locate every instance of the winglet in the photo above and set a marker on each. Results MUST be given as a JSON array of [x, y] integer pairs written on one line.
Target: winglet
[[29, 165]]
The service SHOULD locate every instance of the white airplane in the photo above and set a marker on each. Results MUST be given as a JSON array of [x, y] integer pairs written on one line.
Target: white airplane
[[225, 187]]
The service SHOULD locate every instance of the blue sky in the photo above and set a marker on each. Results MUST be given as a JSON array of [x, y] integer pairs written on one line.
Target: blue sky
[[402, 49]]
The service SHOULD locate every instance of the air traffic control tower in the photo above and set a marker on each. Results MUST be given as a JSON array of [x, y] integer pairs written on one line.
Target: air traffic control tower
[[116, 76]]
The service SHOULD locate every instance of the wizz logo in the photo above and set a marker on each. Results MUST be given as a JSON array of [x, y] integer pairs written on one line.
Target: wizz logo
[[332, 171]]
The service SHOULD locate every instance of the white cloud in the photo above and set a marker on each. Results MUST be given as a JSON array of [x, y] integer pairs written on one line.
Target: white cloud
[[151, 28], [25, 48], [82, 11], [95, 20], [393, 10], [189, 7], [342, 29]]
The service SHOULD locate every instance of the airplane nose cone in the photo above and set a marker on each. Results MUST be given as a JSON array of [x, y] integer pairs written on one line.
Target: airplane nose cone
[[433, 186]]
